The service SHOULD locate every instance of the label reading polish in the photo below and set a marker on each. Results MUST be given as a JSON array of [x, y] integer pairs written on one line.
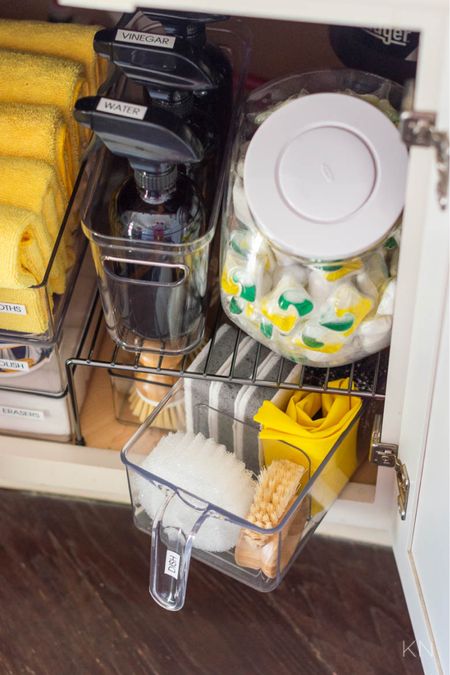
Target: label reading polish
[[9, 411], [10, 364], [172, 565], [12, 308], [121, 108], [153, 39]]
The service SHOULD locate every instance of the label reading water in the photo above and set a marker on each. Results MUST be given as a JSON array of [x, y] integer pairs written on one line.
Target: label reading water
[[9, 411], [172, 565], [137, 37], [122, 108], [10, 364], [11, 308]]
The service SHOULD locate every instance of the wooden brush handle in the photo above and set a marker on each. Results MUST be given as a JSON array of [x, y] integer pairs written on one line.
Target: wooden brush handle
[[153, 391], [259, 552]]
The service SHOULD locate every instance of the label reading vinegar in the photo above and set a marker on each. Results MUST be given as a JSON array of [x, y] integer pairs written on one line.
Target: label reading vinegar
[[136, 37], [122, 108]]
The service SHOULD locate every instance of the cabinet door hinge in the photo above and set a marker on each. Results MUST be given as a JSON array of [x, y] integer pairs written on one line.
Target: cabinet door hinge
[[386, 454], [419, 128]]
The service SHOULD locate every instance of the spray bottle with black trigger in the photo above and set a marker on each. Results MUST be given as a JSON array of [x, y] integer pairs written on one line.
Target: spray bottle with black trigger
[[191, 26], [155, 204], [168, 79]]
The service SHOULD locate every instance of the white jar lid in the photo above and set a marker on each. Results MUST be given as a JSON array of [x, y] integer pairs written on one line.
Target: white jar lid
[[325, 176]]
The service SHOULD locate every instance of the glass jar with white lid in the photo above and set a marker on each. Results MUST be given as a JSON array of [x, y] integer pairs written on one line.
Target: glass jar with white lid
[[311, 228]]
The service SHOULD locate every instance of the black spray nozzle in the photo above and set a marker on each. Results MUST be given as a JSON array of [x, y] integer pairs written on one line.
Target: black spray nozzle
[[179, 102], [188, 25], [156, 60], [153, 140]]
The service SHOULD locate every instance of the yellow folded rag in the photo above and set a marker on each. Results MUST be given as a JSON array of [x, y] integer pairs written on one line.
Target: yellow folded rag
[[313, 423], [38, 132], [31, 78], [33, 184], [64, 40], [26, 246]]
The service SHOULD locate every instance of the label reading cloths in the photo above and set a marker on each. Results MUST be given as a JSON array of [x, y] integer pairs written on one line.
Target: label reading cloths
[[122, 108], [12, 308], [172, 565], [136, 37], [11, 364], [9, 411]]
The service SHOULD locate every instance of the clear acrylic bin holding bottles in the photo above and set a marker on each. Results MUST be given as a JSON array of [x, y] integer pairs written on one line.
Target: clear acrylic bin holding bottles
[[155, 294], [255, 556]]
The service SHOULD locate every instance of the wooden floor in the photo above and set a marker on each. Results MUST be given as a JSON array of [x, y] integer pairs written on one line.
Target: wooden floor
[[73, 600]]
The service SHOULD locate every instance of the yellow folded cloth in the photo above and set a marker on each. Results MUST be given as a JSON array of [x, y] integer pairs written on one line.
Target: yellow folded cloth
[[25, 245], [33, 184], [65, 40], [31, 78], [313, 423], [38, 132]]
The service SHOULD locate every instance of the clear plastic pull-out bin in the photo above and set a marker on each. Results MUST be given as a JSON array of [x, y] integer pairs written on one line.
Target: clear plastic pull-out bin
[[311, 228], [155, 294], [255, 556], [34, 398], [40, 367]]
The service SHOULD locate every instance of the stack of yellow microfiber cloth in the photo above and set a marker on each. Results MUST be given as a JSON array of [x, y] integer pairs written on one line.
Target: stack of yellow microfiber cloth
[[26, 248], [44, 69], [64, 40], [38, 132]]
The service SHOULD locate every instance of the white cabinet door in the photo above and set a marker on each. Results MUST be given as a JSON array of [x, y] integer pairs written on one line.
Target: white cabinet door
[[421, 543]]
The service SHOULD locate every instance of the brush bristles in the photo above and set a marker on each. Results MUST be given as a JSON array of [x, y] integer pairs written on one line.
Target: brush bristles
[[145, 396], [277, 485], [171, 416]]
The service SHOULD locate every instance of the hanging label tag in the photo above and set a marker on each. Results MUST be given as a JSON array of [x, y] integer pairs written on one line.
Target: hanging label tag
[[12, 308], [9, 411], [10, 364], [121, 108], [136, 37], [172, 565]]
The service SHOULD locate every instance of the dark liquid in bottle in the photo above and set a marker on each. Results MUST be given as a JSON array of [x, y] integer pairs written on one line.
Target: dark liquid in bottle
[[158, 298]]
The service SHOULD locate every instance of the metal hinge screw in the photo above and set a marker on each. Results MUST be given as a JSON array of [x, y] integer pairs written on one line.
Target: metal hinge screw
[[419, 128], [386, 454]]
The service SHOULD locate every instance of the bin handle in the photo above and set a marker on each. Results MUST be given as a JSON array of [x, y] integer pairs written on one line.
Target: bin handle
[[169, 562], [184, 269]]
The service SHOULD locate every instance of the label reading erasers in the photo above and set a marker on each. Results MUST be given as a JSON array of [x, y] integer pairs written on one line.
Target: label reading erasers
[[9, 411], [12, 308], [10, 364], [121, 108], [137, 37]]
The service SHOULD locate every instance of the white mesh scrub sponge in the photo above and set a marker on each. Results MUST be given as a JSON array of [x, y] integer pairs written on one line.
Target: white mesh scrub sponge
[[205, 469]]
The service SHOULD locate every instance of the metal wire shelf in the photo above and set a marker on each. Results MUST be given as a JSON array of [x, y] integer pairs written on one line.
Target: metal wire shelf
[[367, 377]]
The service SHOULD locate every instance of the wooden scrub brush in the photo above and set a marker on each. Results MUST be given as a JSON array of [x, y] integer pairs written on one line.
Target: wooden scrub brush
[[144, 396], [278, 486]]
